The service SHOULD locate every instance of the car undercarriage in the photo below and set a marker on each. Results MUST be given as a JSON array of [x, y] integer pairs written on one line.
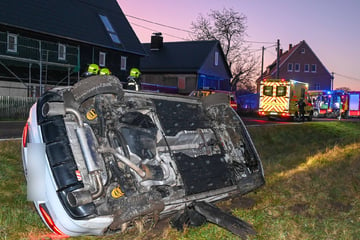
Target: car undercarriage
[[118, 157]]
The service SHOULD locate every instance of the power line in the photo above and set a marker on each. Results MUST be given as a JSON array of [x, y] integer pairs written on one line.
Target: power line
[[344, 76], [260, 42], [184, 30], [160, 24], [153, 30], [270, 46]]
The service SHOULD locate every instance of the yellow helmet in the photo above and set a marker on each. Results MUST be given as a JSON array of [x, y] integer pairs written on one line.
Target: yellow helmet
[[134, 72], [93, 69], [105, 71]]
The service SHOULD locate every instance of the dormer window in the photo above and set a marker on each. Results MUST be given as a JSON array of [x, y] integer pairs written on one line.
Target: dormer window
[[12, 42], [109, 28]]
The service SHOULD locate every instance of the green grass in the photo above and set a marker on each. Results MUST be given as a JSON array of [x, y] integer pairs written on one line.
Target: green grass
[[313, 182], [17, 216], [312, 189]]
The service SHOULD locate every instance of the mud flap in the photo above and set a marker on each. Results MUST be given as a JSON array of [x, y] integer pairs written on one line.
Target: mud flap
[[199, 212]]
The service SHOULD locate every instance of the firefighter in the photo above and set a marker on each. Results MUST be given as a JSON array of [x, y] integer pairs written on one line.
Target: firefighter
[[104, 71], [337, 107], [301, 105], [133, 81], [93, 69]]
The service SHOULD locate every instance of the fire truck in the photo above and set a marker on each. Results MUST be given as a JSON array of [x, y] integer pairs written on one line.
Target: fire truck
[[327, 103], [351, 106], [279, 98]]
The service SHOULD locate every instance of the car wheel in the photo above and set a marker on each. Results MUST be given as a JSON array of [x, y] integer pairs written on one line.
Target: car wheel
[[95, 85], [309, 118], [316, 114]]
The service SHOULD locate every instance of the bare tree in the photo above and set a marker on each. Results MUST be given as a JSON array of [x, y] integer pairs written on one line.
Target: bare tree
[[229, 28]]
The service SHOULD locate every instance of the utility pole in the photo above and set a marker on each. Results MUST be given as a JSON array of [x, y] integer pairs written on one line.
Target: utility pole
[[278, 59], [262, 61]]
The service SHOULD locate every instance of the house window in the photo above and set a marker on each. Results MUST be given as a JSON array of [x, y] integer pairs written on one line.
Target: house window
[[306, 68], [290, 67], [302, 51], [297, 67], [12, 42], [102, 59], [216, 62], [61, 52], [109, 28], [123, 63], [313, 68]]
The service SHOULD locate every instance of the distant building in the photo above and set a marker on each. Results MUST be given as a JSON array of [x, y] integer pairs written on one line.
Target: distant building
[[182, 67], [300, 63], [47, 43]]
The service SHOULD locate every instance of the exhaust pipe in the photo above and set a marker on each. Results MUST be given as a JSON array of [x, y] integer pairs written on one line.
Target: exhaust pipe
[[124, 159], [80, 197]]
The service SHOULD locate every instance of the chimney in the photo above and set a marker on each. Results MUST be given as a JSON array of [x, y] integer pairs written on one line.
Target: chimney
[[290, 46], [156, 41], [281, 52]]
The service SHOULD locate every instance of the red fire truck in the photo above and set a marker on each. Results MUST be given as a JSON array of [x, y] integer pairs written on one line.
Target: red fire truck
[[328, 103], [351, 106]]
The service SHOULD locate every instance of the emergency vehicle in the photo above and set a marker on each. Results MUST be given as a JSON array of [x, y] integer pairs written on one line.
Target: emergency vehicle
[[327, 103], [206, 92], [279, 98], [351, 106]]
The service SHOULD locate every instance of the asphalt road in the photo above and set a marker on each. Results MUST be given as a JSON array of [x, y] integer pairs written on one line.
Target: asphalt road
[[11, 129]]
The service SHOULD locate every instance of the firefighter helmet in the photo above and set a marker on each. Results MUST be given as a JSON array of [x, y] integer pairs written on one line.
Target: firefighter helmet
[[93, 69], [134, 72], [105, 71]]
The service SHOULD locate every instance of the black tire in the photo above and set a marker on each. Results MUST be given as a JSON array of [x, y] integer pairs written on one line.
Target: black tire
[[316, 114], [95, 85], [309, 118]]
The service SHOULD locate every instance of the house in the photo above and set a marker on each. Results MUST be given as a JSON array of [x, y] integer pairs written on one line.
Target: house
[[300, 63], [182, 67], [44, 43]]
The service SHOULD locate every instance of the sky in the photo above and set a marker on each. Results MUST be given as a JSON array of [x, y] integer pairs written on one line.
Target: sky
[[330, 28]]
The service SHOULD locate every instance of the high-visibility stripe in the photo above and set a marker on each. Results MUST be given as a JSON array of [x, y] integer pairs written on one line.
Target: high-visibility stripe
[[272, 103]]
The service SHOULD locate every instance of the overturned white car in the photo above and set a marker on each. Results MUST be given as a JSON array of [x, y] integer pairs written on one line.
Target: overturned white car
[[99, 159]]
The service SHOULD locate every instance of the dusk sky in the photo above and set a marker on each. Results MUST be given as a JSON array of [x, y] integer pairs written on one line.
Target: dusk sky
[[330, 28]]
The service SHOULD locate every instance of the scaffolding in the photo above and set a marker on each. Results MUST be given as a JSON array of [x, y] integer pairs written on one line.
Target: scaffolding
[[37, 64]]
